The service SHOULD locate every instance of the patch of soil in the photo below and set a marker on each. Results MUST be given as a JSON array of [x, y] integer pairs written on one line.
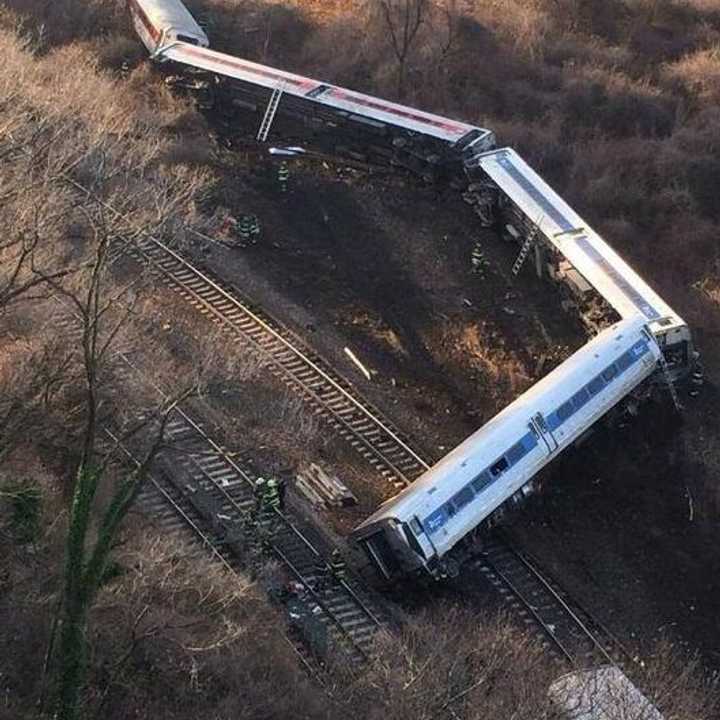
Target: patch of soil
[[382, 266], [618, 524]]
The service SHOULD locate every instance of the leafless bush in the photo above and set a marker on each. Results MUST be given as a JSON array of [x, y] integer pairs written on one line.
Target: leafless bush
[[56, 23], [298, 420]]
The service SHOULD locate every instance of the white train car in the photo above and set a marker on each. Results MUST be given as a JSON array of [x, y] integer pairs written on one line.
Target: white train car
[[416, 529], [574, 247], [603, 693], [419, 138], [340, 99], [161, 23]]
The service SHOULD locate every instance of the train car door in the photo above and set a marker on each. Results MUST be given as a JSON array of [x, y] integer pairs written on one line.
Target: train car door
[[418, 539], [539, 428]]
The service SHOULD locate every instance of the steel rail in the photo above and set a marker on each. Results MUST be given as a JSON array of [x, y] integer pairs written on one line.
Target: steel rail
[[379, 440], [205, 540], [561, 608], [548, 631], [531, 561]]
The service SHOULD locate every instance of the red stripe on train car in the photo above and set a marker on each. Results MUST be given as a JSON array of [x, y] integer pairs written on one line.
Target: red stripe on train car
[[234, 63], [391, 110], [337, 93], [145, 20]]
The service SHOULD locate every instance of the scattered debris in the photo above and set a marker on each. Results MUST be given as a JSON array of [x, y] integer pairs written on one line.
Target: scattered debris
[[357, 362], [691, 507], [323, 489]]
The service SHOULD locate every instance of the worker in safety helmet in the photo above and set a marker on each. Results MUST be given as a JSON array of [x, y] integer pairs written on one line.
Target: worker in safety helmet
[[245, 230], [337, 566], [254, 229], [477, 258], [271, 497], [283, 176]]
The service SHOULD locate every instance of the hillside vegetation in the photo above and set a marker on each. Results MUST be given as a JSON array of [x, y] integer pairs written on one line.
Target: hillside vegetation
[[615, 102]]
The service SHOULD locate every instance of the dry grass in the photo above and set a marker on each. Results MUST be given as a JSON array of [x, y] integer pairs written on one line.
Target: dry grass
[[698, 74]]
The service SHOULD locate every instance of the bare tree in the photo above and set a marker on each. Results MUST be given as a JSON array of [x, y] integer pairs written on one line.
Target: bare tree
[[403, 19], [88, 550], [29, 388]]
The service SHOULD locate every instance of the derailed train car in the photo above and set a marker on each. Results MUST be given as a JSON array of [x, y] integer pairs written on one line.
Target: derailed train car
[[419, 529], [599, 284], [355, 123], [162, 23]]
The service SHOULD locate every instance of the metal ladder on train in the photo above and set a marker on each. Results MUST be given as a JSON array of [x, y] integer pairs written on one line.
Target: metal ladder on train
[[270, 111], [525, 249], [671, 385]]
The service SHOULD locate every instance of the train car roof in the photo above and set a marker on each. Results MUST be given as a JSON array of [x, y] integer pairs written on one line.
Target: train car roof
[[591, 256], [493, 439], [603, 693], [164, 14], [346, 100]]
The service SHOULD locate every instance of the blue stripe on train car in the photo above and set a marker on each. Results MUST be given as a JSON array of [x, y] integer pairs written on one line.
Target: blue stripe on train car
[[433, 522], [614, 370], [528, 442], [627, 289], [534, 192]]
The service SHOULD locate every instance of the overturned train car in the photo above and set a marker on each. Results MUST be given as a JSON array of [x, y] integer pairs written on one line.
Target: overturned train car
[[419, 529]]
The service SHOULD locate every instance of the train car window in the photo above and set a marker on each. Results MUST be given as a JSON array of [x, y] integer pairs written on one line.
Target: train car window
[[319, 90], [516, 453], [461, 499], [450, 509], [187, 39], [580, 398], [481, 482], [565, 411], [416, 526], [595, 385], [609, 373], [499, 467], [623, 362]]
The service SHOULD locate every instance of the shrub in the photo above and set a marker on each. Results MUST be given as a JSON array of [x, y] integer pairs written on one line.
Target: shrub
[[25, 500]]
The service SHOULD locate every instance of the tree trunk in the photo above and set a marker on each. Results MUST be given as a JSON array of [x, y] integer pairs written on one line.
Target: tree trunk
[[71, 650], [73, 653]]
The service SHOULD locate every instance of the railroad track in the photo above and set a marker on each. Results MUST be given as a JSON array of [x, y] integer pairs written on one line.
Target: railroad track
[[331, 396], [221, 491], [195, 485], [568, 629], [176, 515], [224, 502]]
